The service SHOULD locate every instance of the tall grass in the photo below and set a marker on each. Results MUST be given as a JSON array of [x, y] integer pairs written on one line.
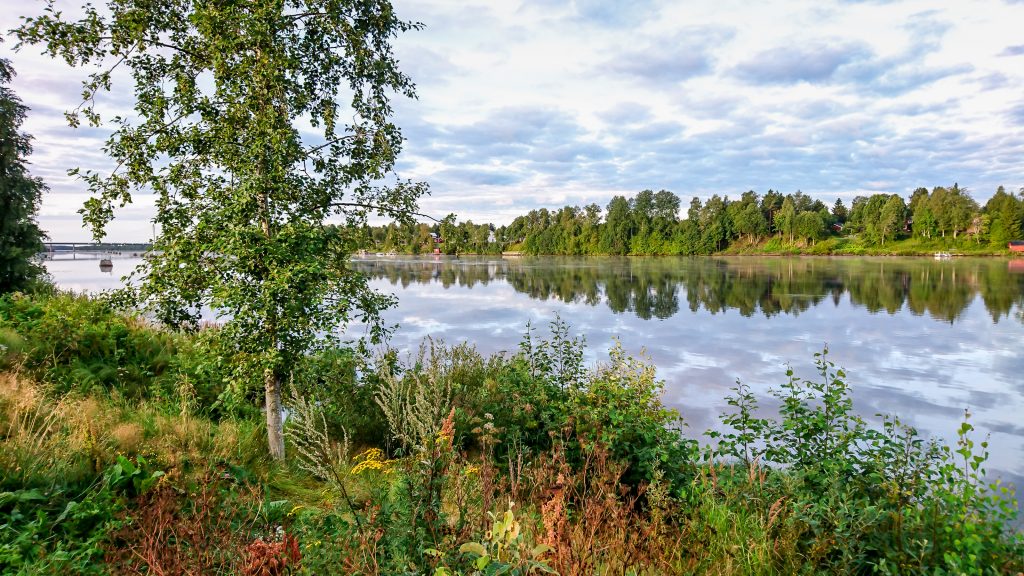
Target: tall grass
[[455, 463]]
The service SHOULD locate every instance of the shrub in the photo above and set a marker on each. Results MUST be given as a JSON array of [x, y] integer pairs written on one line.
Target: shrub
[[343, 383], [863, 499], [79, 343]]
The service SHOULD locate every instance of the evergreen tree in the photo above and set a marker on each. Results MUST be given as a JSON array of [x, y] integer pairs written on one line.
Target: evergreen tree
[[1004, 212], [839, 212], [771, 203], [20, 193]]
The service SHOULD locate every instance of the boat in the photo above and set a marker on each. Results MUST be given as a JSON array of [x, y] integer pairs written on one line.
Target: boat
[[942, 255], [106, 265], [1016, 246]]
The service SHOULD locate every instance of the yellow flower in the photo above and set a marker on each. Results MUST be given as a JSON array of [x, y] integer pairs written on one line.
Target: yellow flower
[[372, 459]]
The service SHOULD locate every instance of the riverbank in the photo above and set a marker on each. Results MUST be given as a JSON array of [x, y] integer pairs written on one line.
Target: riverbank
[[846, 246], [776, 246], [842, 246], [130, 448]]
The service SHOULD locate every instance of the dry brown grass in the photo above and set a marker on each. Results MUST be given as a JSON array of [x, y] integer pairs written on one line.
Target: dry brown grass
[[127, 436], [178, 532], [32, 439], [43, 437]]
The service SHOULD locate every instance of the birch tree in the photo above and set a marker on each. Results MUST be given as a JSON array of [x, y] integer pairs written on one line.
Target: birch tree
[[254, 125]]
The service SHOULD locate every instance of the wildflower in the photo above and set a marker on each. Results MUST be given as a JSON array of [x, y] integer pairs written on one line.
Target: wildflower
[[372, 459], [447, 432]]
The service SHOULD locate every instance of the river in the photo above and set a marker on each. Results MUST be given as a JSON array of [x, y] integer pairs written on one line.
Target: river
[[920, 338]]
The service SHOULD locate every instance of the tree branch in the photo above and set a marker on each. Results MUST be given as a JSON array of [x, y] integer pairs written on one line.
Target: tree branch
[[380, 208], [328, 143]]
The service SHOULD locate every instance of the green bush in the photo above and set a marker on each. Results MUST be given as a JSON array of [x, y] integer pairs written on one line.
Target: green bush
[[621, 408], [544, 394], [77, 343], [342, 383], [864, 500], [12, 345], [64, 530]]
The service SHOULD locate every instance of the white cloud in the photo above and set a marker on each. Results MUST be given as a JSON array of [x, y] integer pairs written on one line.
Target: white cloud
[[546, 102]]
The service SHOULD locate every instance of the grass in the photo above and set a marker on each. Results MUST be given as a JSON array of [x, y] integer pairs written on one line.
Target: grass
[[459, 464], [856, 246]]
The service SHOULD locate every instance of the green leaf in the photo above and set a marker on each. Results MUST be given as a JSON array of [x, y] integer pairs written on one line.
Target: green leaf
[[473, 548], [539, 550]]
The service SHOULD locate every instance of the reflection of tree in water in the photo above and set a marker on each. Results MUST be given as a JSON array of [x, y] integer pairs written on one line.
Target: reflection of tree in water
[[1001, 290], [650, 287]]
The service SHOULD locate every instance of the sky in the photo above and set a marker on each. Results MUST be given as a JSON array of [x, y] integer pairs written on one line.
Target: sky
[[542, 103]]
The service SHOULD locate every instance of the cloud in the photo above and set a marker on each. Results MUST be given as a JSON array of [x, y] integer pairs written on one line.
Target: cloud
[[1016, 113], [907, 78], [521, 146], [625, 113], [426, 65], [801, 62], [906, 70], [518, 125], [544, 102], [672, 59], [604, 13], [994, 81], [479, 176]]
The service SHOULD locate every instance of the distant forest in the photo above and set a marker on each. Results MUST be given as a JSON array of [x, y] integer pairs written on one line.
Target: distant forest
[[650, 224]]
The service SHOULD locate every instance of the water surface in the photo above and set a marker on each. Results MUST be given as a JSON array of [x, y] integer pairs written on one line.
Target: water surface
[[920, 338]]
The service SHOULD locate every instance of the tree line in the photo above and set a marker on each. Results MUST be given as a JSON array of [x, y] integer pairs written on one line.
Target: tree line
[[650, 224]]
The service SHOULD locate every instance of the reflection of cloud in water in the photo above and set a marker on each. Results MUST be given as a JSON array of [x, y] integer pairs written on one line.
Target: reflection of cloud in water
[[422, 327], [917, 339], [925, 371]]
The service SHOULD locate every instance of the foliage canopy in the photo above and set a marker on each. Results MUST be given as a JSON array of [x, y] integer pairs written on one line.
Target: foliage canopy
[[240, 132]]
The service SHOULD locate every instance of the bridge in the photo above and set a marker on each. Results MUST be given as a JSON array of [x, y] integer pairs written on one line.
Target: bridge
[[54, 248]]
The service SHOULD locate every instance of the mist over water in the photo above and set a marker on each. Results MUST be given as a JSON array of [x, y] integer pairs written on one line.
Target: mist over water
[[920, 338]]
